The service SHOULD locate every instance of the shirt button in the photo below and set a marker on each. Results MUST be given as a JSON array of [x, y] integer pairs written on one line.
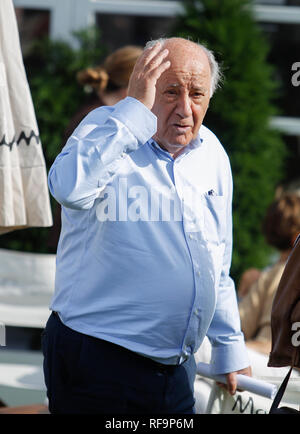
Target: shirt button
[[187, 351]]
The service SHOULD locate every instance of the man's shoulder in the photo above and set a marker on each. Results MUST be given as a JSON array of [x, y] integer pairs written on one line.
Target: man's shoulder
[[206, 133], [211, 140]]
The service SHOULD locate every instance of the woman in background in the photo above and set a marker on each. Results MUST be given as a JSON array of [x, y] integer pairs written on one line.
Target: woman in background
[[281, 227], [107, 83]]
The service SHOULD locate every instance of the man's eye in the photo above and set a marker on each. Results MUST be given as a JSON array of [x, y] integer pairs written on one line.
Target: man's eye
[[170, 92], [197, 95]]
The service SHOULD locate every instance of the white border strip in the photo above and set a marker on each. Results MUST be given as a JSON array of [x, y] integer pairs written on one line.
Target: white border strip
[[277, 14], [138, 7], [287, 125], [265, 13]]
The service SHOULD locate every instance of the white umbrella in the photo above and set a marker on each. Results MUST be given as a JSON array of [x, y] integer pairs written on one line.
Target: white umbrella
[[24, 197]]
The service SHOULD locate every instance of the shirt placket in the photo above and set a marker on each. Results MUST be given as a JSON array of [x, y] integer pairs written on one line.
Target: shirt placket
[[194, 241]]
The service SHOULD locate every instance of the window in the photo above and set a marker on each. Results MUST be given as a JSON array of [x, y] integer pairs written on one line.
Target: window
[[119, 30], [33, 24], [284, 55], [279, 2], [293, 161]]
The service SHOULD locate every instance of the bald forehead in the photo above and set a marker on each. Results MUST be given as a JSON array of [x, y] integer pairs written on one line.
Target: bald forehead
[[184, 47], [188, 61], [180, 42], [184, 52]]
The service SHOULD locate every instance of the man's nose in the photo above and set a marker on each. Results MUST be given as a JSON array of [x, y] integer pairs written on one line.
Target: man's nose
[[184, 108]]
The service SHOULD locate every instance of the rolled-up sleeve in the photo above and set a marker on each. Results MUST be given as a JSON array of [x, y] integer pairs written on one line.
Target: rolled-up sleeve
[[93, 153]]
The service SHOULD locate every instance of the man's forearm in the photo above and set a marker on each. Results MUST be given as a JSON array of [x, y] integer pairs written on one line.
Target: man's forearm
[[95, 151]]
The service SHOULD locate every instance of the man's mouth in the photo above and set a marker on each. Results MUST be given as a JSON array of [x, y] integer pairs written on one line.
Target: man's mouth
[[182, 127]]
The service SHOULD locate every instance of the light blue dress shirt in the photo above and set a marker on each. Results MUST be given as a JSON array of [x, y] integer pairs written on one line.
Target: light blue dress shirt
[[145, 249]]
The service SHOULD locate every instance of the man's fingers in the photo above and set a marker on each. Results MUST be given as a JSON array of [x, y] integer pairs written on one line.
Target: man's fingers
[[148, 69], [231, 383], [230, 386], [157, 65], [151, 64], [231, 380], [151, 52], [147, 56], [160, 69], [156, 60]]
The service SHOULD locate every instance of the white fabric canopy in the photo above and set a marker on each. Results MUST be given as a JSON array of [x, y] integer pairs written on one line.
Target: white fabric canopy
[[24, 197]]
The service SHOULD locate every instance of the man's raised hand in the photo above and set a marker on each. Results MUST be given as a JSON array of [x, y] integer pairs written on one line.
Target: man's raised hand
[[148, 68]]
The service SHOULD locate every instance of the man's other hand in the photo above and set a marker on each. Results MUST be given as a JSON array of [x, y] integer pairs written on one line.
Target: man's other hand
[[231, 380]]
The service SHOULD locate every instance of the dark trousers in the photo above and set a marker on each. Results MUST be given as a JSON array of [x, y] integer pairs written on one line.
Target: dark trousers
[[84, 374]]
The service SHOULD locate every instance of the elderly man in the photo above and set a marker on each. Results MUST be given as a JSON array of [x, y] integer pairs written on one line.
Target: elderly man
[[145, 249]]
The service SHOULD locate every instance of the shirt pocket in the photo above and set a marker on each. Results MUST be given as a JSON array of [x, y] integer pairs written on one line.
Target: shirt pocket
[[214, 216]]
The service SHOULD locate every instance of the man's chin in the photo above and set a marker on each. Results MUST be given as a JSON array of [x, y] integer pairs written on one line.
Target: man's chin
[[174, 143]]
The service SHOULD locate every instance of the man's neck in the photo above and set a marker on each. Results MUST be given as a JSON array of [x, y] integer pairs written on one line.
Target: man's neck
[[174, 151]]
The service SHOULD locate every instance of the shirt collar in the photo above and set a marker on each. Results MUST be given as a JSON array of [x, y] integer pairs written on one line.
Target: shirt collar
[[195, 143]]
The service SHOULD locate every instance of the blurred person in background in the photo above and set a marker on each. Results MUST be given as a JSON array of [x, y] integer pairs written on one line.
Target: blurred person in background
[[281, 227], [106, 83], [252, 274]]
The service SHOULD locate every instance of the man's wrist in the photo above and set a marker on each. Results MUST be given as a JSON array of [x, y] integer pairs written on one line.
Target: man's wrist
[[141, 122]]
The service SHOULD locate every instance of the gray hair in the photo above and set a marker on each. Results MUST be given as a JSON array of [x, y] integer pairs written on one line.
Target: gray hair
[[216, 74]]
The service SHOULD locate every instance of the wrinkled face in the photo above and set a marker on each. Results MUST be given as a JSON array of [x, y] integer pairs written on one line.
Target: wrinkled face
[[182, 96]]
